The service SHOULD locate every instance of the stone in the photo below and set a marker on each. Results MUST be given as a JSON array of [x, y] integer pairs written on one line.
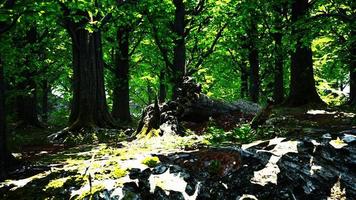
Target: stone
[[159, 169], [134, 173]]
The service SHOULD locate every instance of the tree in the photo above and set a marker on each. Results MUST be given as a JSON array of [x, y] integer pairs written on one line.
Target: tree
[[89, 108], [302, 86], [278, 89], [6, 158], [253, 59], [179, 55]]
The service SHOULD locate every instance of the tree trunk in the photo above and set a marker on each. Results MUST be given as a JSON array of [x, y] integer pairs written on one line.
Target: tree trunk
[[254, 63], [45, 91], [26, 104], [121, 99], [3, 148], [179, 56], [353, 68], [278, 92], [162, 87], [26, 101], [244, 84], [302, 88], [89, 108], [6, 158]]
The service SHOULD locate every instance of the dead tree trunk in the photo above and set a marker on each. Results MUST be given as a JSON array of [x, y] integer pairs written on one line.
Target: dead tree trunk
[[190, 106]]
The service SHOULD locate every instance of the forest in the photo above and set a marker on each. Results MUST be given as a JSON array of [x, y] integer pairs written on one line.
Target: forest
[[177, 99]]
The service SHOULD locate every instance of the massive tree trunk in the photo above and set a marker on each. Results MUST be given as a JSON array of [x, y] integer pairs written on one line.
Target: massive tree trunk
[[121, 99], [254, 62], [179, 56], [89, 108], [353, 68], [302, 88]]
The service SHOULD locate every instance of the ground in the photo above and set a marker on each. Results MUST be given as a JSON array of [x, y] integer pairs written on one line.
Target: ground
[[300, 155]]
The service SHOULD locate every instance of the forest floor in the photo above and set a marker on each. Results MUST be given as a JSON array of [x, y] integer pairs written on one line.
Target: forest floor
[[103, 165]]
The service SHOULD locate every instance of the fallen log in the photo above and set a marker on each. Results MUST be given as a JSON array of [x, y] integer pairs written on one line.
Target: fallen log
[[191, 105]]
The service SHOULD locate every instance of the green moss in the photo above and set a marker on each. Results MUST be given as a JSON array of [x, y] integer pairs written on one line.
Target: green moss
[[56, 183], [151, 161], [145, 133], [118, 173], [89, 193]]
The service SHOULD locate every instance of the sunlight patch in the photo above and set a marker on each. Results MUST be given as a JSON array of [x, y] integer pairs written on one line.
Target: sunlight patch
[[174, 182], [320, 112], [168, 181], [267, 174], [249, 145], [270, 172], [336, 192], [338, 143]]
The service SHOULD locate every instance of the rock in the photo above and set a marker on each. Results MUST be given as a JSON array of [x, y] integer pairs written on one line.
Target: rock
[[145, 174], [134, 173], [160, 169], [176, 195], [131, 191], [160, 194]]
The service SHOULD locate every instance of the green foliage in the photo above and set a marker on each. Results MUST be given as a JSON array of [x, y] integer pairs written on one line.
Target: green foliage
[[242, 133]]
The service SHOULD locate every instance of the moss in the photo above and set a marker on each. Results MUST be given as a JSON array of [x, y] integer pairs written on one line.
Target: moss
[[89, 193], [146, 133], [56, 183], [118, 173], [151, 161]]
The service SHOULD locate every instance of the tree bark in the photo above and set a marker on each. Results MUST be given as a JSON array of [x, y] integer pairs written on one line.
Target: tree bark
[[353, 68], [162, 87], [121, 99], [254, 63], [6, 158], [244, 84], [89, 108], [302, 88], [45, 92], [278, 90], [179, 57], [26, 102], [3, 148]]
